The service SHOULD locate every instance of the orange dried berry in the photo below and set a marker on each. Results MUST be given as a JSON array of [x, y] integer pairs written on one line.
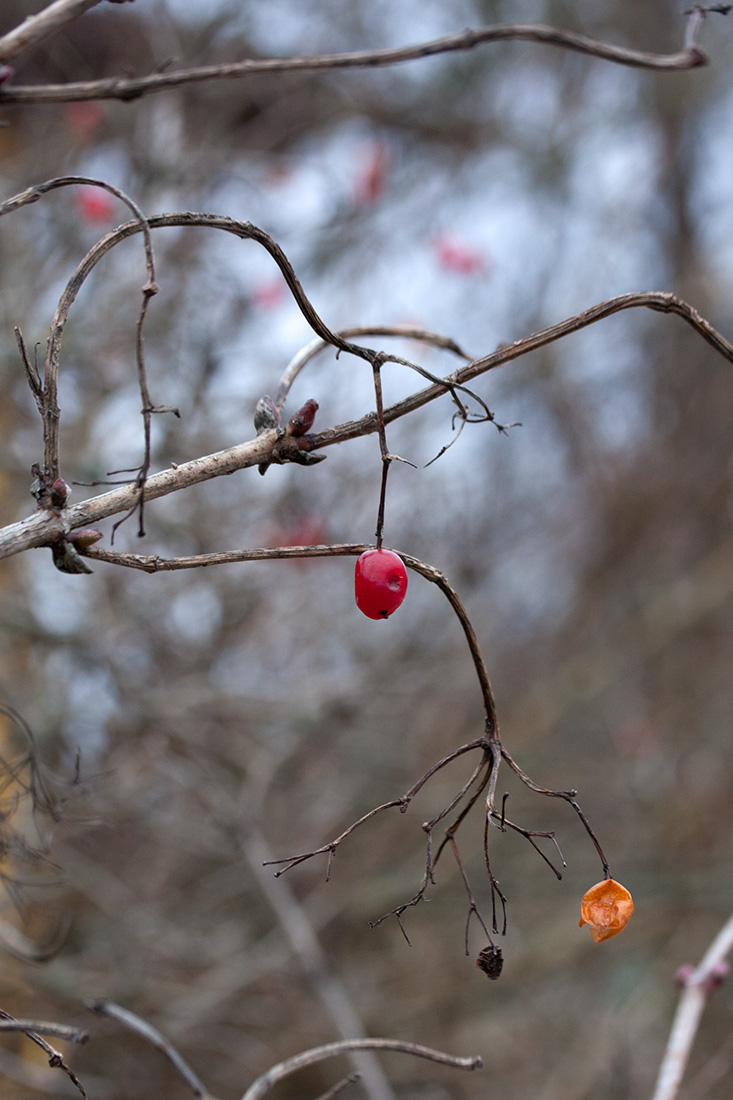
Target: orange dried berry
[[607, 908]]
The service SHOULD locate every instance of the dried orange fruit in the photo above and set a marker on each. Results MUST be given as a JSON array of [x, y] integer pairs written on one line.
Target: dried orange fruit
[[607, 908]]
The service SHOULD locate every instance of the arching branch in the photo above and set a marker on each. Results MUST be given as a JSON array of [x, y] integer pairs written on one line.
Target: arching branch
[[131, 88]]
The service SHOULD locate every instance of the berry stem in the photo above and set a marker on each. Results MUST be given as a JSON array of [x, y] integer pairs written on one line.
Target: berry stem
[[386, 456]]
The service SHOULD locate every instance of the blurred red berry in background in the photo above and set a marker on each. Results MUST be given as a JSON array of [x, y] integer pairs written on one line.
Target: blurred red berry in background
[[454, 255], [94, 205]]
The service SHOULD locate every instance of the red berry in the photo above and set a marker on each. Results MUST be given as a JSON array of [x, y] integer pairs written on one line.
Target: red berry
[[380, 583]]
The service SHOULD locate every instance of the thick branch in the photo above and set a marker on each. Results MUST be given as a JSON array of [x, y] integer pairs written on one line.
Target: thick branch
[[132, 88], [41, 529], [698, 986], [37, 27]]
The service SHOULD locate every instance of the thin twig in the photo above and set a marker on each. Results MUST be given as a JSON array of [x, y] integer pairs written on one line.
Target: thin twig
[[264, 1083], [50, 410], [153, 1036], [697, 989], [55, 1058], [44, 528], [155, 564], [131, 88], [315, 347], [402, 803], [43, 1027], [566, 796], [312, 956]]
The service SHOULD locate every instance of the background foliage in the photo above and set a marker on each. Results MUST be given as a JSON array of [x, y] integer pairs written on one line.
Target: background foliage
[[483, 195]]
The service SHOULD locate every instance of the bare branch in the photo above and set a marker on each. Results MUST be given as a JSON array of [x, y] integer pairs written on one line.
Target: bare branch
[[698, 986], [264, 1083], [55, 1058], [315, 347], [313, 959], [154, 1037], [43, 529], [155, 564], [59, 1031], [36, 28], [50, 410], [128, 89]]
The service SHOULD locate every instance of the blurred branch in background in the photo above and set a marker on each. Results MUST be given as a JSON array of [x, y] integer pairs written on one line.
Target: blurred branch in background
[[478, 192]]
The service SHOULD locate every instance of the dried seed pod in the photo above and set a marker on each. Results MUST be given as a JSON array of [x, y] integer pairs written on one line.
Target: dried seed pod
[[607, 908], [490, 961]]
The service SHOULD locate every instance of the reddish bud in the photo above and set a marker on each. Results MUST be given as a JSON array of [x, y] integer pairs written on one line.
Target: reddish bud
[[302, 421], [83, 537], [59, 493], [7, 72]]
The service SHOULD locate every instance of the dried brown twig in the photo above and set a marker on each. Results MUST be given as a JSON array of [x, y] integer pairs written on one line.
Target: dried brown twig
[[264, 1083], [155, 1038], [484, 777], [31, 1029], [131, 88], [49, 526], [46, 392]]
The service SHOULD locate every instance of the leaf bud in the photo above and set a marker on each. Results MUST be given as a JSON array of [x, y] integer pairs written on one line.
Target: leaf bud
[[302, 421]]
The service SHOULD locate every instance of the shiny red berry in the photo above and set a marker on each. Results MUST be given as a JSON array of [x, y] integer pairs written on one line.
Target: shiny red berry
[[380, 583]]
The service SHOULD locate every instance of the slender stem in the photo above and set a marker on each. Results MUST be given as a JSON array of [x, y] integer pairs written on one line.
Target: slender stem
[[131, 88], [155, 1038], [264, 1083]]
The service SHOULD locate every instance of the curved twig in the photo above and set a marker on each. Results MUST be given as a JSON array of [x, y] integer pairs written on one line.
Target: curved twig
[[127, 89], [264, 1083], [315, 347], [49, 397], [154, 564], [155, 1038]]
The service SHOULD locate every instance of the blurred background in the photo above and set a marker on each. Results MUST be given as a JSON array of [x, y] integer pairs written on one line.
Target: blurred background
[[196, 722]]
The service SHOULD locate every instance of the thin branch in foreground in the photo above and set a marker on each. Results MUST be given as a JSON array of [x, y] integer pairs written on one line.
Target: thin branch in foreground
[[153, 1036], [36, 28], [264, 1083], [47, 527], [43, 1027], [566, 796], [55, 1058], [697, 988], [127, 89], [155, 564]]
